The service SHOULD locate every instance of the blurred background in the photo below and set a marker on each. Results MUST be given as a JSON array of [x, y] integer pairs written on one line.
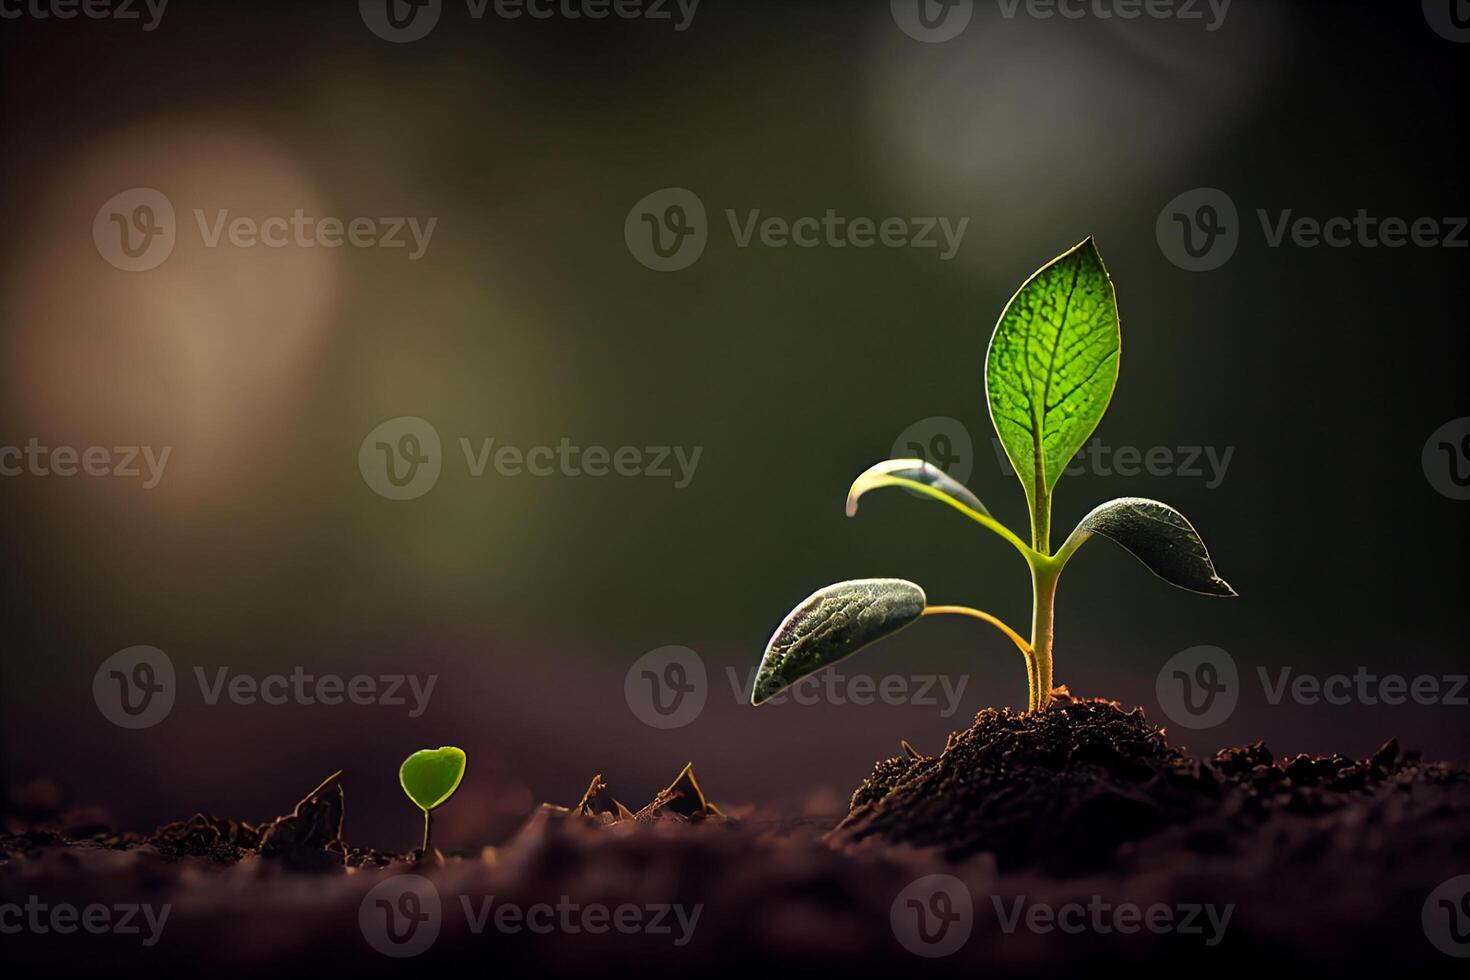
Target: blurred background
[[528, 318]]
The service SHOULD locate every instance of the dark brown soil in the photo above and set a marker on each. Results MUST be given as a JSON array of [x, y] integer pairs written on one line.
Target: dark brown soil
[[1065, 789], [1324, 863]]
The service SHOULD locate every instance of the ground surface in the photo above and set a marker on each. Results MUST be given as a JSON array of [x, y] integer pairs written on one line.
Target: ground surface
[[1050, 828]]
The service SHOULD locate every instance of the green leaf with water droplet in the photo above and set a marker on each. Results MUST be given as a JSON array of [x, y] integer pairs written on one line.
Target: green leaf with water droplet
[[833, 624], [1052, 366], [430, 776]]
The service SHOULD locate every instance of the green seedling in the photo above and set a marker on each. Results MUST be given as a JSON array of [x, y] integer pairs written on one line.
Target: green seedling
[[430, 777], [1049, 375]]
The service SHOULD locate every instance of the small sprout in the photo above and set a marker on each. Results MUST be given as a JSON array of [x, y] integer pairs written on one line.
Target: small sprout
[[1049, 375], [430, 777]]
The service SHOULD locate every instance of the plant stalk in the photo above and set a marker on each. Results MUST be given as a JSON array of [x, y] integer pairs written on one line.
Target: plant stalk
[[1011, 634], [1044, 575], [428, 825]]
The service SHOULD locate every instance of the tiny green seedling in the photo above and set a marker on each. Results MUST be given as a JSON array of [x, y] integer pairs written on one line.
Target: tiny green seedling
[[430, 777], [1049, 375]]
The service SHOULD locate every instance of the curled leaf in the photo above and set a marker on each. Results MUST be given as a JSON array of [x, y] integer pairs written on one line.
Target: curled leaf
[[832, 624], [906, 473], [1160, 537]]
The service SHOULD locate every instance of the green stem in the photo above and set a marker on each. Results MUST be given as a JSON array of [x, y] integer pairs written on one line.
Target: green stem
[[1012, 635], [428, 825], [1044, 575]]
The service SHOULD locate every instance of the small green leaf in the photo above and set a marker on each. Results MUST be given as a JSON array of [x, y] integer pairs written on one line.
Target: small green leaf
[[832, 624], [1052, 366], [430, 776], [1160, 537], [905, 473]]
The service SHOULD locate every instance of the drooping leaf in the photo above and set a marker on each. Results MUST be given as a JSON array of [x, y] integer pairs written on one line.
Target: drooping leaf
[[1160, 537], [1052, 365], [832, 624], [906, 473], [430, 776]]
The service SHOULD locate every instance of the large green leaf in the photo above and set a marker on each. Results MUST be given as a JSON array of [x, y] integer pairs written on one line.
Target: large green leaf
[[832, 624], [1160, 537], [1052, 365], [907, 473]]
